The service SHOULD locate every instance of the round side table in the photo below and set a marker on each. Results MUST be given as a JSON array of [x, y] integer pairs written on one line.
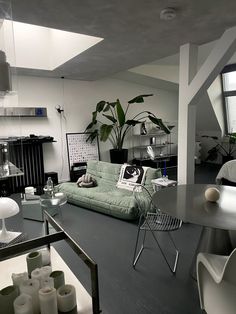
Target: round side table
[[53, 202]]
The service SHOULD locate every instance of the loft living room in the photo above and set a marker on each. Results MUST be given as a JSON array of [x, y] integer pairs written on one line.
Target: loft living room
[[134, 54]]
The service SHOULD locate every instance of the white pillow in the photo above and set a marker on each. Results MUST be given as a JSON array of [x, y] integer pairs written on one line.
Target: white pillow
[[130, 176]]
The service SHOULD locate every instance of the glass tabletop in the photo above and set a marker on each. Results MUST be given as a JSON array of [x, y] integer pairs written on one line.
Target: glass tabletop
[[10, 170], [56, 199], [188, 202]]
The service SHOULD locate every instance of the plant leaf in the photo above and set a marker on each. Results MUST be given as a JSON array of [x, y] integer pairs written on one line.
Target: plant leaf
[[111, 118], [120, 114], [232, 138], [132, 122], [92, 136], [113, 104], [160, 124], [91, 124], [94, 114], [139, 99], [100, 105], [107, 107], [105, 131]]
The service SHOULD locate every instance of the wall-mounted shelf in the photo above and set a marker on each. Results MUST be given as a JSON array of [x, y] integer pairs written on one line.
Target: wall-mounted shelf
[[23, 112]]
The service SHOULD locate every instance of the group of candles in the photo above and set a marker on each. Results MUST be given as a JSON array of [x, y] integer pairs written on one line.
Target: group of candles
[[44, 292]]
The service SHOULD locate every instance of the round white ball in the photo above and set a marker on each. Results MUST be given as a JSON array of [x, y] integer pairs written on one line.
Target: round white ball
[[212, 194]]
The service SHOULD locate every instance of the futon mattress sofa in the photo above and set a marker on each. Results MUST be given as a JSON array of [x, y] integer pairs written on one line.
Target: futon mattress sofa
[[106, 197]]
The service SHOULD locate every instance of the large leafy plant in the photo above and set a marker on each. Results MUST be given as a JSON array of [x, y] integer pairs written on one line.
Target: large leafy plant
[[118, 125], [225, 149]]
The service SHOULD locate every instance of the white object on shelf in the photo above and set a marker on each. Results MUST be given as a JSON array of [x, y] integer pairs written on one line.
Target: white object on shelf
[[18, 265], [162, 183]]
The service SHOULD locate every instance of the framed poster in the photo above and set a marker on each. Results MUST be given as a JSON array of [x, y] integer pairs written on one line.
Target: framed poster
[[80, 151]]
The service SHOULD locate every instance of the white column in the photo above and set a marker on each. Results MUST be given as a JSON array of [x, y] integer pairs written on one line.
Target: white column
[[187, 115], [191, 88]]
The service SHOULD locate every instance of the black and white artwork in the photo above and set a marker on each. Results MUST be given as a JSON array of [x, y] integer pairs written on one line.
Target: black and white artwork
[[130, 176], [133, 174], [79, 150]]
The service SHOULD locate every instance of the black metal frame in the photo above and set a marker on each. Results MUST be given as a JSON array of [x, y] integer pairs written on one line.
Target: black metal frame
[[20, 248]]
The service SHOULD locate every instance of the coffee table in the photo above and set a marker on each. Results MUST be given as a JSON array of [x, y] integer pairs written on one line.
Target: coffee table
[[13, 260]]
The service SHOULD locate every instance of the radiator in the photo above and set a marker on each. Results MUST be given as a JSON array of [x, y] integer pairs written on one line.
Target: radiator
[[29, 158]]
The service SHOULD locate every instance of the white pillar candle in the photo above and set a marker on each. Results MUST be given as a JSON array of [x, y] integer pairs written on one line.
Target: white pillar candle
[[46, 271], [47, 282], [31, 287], [48, 300], [37, 274], [34, 260], [7, 297], [66, 298], [23, 304], [46, 259], [17, 279]]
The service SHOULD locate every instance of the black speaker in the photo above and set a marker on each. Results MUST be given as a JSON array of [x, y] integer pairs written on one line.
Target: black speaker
[[53, 175]]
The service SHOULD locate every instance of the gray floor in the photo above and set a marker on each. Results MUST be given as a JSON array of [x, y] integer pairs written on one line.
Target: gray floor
[[151, 288]]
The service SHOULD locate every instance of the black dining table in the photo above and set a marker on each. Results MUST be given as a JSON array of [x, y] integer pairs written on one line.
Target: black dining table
[[188, 202]]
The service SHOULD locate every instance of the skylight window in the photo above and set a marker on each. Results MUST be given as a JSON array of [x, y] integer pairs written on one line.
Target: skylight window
[[37, 47]]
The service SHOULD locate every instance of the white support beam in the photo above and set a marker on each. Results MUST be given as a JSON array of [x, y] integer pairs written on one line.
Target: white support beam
[[187, 115], [191, 89]]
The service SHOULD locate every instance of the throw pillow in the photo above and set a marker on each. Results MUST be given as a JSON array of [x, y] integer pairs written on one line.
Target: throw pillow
[[86, 181], [130, 176]]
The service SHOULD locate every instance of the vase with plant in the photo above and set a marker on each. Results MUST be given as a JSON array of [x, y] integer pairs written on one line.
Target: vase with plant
[[115, 124], [225, 149]]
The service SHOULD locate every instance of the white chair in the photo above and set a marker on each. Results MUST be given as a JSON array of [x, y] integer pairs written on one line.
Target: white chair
[[216, 276]]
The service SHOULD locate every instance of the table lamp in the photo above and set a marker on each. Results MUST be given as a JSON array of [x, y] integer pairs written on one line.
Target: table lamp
[[8, 208]]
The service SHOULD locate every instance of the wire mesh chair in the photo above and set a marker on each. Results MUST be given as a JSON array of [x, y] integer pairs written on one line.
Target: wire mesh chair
[[152, 219]]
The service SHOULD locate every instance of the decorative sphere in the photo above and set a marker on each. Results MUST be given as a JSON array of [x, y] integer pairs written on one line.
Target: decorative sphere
[[212, 194]]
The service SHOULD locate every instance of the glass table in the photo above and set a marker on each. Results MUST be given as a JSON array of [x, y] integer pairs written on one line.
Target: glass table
[[12, 259], [9, 170], [53, 202]]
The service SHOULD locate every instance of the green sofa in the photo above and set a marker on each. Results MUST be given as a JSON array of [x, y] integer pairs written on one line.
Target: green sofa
[[106, 197]]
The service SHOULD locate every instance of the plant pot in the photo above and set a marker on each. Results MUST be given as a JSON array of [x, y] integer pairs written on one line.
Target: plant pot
[[118, 156]]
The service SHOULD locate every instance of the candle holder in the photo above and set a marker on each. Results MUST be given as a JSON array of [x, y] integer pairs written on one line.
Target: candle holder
[[7, 297], [34, 260], [58, 277]]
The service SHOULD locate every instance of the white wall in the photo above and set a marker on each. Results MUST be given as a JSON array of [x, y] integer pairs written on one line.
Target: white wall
[[79, 100]]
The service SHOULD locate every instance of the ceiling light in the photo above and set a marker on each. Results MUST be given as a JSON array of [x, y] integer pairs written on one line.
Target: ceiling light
[[168, 14]]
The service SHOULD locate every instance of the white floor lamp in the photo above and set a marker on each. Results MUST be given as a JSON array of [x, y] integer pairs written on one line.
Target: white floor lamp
[[8, 208]]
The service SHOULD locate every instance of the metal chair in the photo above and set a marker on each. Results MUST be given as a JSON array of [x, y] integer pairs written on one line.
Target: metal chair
[[152, 219]]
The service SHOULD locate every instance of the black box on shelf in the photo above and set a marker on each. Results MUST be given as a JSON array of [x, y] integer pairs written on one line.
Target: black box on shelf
[[53, 175], [77, 170]]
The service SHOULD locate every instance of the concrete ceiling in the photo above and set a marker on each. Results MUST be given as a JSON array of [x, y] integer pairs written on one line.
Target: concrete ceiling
[[132, 30]]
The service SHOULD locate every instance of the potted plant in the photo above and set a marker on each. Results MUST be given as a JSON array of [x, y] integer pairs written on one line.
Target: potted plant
[[117, 125], [226, 150]]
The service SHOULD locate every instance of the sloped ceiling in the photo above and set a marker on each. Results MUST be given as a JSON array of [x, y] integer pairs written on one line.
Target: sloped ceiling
[[132, 30]]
